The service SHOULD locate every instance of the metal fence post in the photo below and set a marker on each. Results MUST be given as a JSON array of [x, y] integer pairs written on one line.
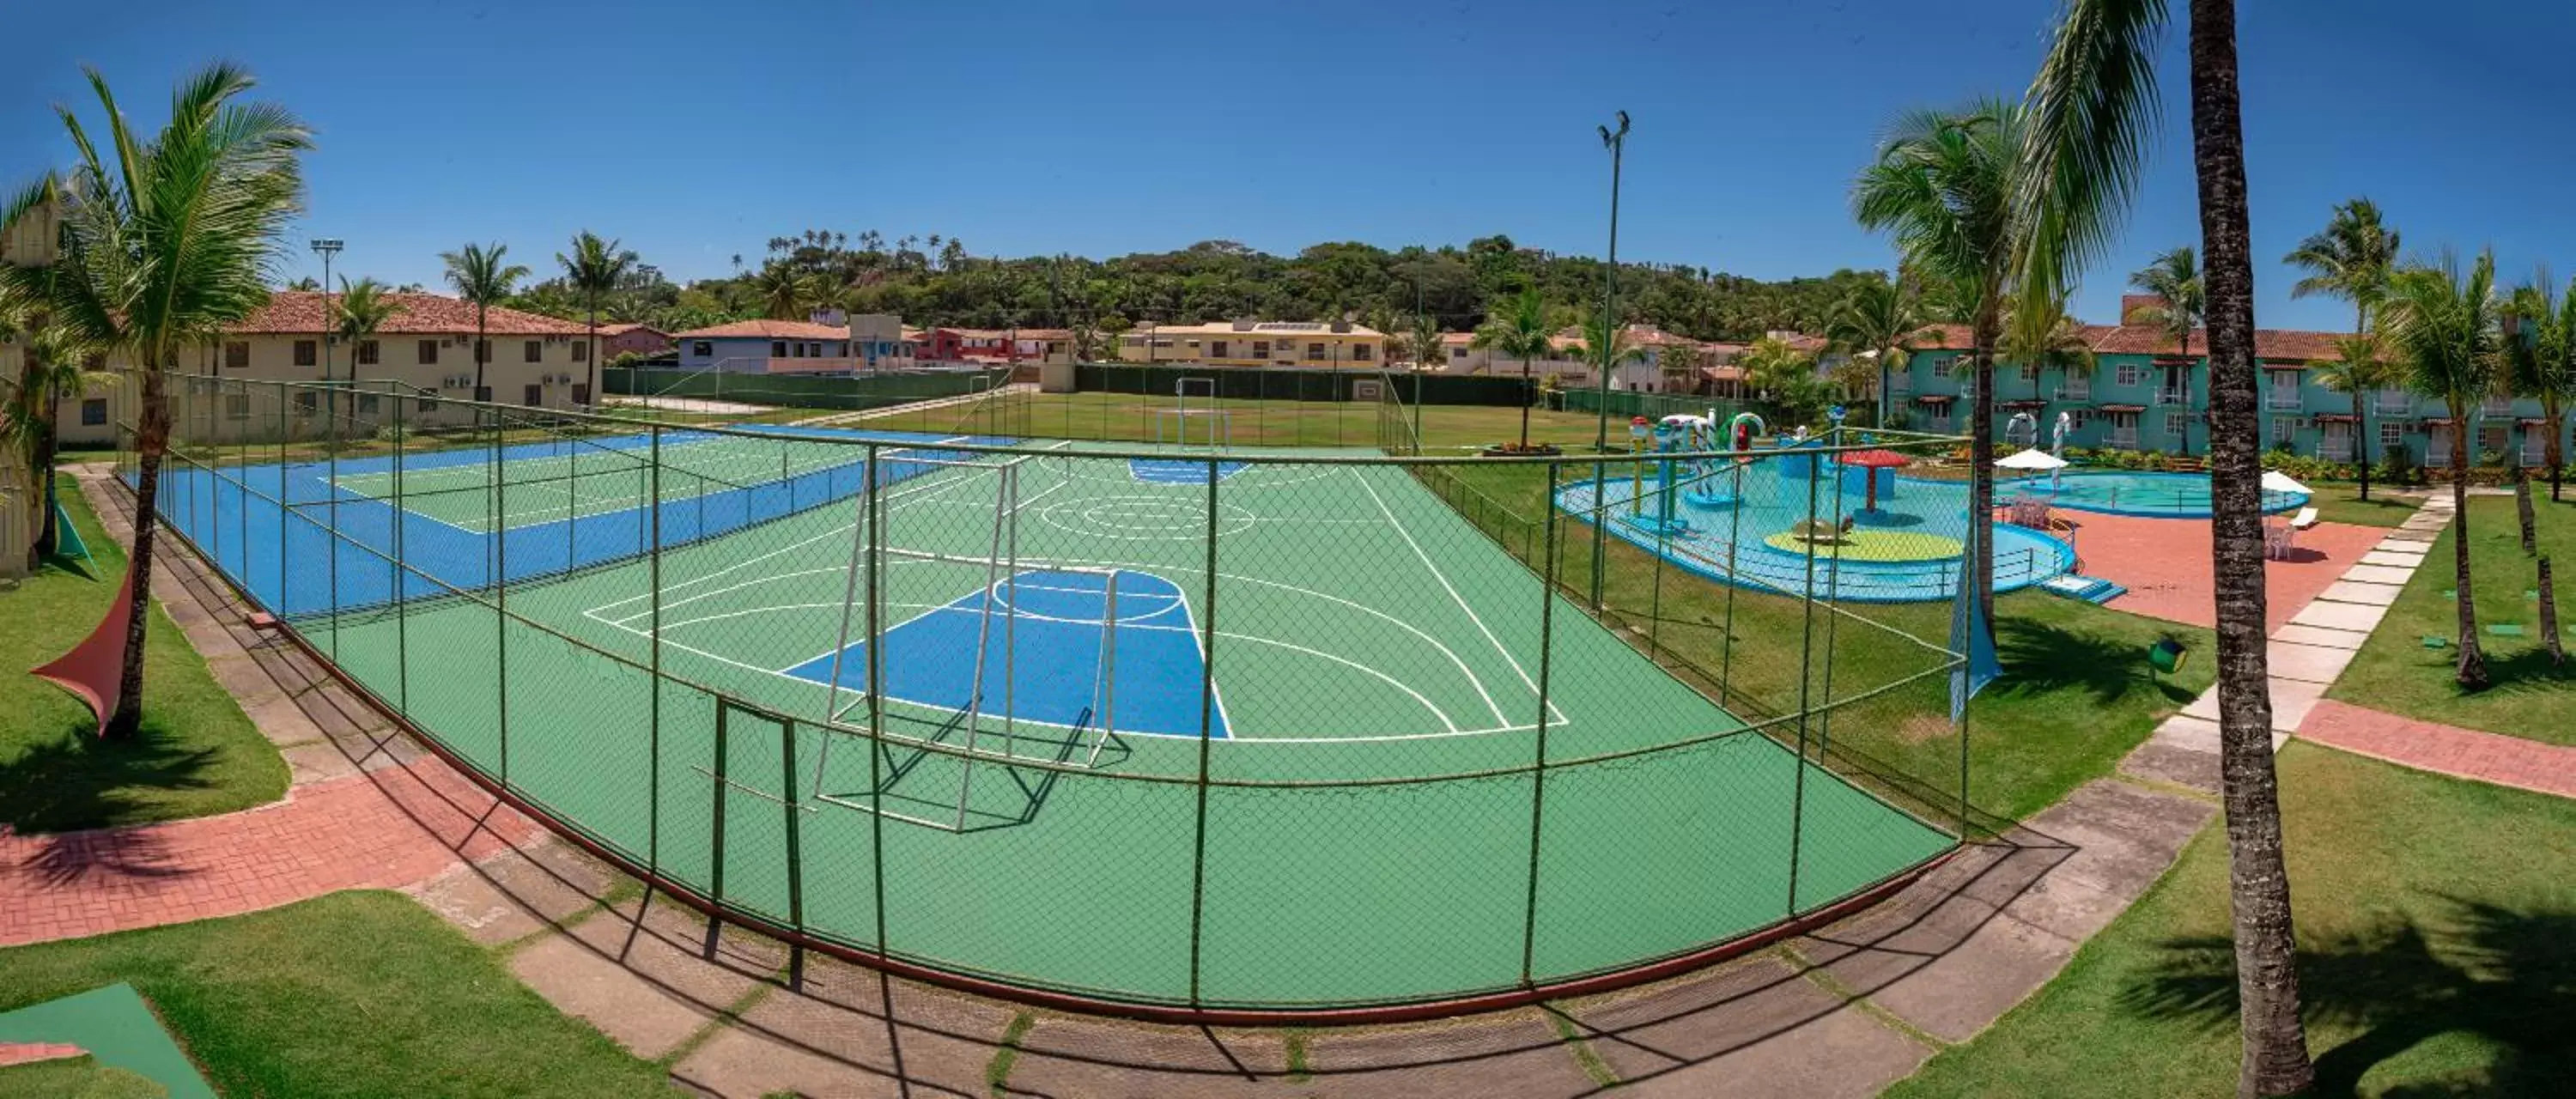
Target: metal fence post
[[716, 845], [1538, 770], [1806, 652], [795, 837], [653, 582], [331, 543], [875, 510], [1207, 730], [501, 588], [396, 553]]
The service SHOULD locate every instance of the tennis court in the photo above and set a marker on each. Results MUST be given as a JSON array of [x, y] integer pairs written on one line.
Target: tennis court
[[1273, 728]]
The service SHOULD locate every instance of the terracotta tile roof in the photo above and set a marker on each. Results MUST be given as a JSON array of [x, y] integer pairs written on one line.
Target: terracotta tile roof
[[766, 330], [1942, 337], [621, 328], [290, 311], [2273, 344]]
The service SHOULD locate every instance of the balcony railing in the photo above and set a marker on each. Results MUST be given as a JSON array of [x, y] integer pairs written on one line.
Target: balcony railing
[[2277, 401], [2534, 453], [2173, 396], [2124, 440], [2496, 406], [2335, 450], [2075, 389], [2393, 404]]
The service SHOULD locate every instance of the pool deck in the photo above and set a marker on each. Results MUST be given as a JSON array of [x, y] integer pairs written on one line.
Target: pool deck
[[2165, 565]]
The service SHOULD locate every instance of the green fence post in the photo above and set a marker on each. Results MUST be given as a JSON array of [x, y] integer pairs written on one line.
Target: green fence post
[[1207, 712], [1538, 769], [875, 508], [795, 837], [724, 755], [653, 581], [402, 606], [1806, 653], [500, 586]]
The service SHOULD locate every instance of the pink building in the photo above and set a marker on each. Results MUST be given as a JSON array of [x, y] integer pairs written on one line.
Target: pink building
[[640, 339]]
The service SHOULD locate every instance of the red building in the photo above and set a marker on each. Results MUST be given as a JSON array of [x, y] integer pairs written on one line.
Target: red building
[[640, 339], [946, 345]]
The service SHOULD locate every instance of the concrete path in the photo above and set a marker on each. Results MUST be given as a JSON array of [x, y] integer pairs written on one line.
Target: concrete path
[[1842, 1011], [2310, 648]]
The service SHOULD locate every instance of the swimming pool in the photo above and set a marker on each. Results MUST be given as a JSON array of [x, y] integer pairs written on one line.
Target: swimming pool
[[1908, 550], [2129, 492]]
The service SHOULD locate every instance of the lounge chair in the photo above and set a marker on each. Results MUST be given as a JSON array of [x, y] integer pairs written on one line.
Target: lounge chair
[[2307, 517]]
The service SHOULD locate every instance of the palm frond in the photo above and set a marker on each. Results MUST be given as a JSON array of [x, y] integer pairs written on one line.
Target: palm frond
[[2091, 117]]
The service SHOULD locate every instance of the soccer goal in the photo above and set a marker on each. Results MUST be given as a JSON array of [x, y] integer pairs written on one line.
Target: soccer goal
[[975, 685], [1193, 421]]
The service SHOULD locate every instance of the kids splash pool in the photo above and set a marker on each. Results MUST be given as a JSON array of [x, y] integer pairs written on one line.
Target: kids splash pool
[[1794, 523]]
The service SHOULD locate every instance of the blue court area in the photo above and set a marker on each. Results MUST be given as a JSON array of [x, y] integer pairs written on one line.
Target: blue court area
[[474, 516], [1038, 645], [1178, 471]]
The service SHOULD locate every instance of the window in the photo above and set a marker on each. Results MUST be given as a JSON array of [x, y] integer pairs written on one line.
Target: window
[[2392, 435], [580, 393], [2131, 374], [94, 412], [367, 352], [236, 354], [533, 350], [580, 352], [1260, 349], [777, 349], [2490, 438], [1220, 349], [2285, 430], [428, 352], [700, 348], [841, 350], [1359, 352], [428, 406], [1314, 351], [1457, 353], [306, 402], [307, 353], [2175, 423], [237, 406], [535, 394], [367, 403], [2030, 372]]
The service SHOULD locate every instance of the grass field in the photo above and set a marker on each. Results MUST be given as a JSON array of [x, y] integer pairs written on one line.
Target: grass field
[[2434, 918], [2342, 503], [1125, 417], [197, 753], [351, 994], [2528, 697]]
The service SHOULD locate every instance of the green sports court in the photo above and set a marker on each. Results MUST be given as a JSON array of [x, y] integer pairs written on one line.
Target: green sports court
[[1254, 728]]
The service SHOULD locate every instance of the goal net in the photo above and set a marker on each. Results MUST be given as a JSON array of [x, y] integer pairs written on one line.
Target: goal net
[[1193, 421], [1014, 667]]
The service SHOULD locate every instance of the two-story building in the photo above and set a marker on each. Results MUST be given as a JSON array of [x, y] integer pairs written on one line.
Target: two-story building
[[1304, 344], [768, 347], [1012, 346], [630, 338], [425, 350], [2145, 392]]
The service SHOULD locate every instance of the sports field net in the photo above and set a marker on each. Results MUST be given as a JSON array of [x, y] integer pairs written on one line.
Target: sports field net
[[1203, 727]]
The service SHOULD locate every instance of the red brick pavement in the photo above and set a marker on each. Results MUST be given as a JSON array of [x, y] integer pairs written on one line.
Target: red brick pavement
[[2165, 565], [28, 1053], [385, 828], [2443, 749]]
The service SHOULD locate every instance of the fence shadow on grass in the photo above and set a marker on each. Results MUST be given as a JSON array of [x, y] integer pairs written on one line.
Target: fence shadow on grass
[[2502, 973]]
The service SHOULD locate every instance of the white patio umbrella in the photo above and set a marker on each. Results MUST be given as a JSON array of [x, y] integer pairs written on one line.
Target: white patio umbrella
[[2033, 459], [2276, 481]]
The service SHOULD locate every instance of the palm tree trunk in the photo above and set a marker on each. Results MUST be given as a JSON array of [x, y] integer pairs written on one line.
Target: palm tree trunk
[[2360, 448], [482, 349], [152, 440], [2550, 451], [1981, 455], [2275, 1050], [29, 400], [591, 369], [2472, 670], [48, 443], [2549, 616], [2522, 504], [1525, 401]]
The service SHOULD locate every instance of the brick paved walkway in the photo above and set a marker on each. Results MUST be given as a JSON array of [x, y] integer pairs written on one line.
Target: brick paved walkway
[[2165, 565], [2443, 749]]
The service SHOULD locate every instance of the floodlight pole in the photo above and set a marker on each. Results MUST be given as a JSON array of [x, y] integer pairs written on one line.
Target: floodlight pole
[[327, 247], [1617, 142]]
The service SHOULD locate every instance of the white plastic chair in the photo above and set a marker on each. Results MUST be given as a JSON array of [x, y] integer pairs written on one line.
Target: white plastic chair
[[2307, 517]]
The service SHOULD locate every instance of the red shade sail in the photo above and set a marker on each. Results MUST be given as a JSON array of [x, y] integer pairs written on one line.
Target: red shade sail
[[93, 667], [1875, 459]]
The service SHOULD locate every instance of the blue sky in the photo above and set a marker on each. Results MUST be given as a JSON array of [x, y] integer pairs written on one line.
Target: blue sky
[[695, 131]]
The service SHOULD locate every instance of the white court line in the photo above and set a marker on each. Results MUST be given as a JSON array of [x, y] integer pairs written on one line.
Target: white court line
[[1552, 711]]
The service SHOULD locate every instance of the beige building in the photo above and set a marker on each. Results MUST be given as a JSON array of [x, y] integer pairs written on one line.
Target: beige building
[[425, 349], [1306, 344]]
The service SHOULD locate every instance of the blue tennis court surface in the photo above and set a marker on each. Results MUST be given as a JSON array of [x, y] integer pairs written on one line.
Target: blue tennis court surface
[[1178, 471], [1051, 660]]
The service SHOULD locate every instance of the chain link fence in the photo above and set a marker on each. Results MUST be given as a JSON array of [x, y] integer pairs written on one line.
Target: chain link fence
[[1198, 726]]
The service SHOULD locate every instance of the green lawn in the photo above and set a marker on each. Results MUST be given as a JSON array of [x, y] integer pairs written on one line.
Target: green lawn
[[358, 993], [2528, 698], [2342, 503], [2437, 933], [2076, 694], [197, 753]]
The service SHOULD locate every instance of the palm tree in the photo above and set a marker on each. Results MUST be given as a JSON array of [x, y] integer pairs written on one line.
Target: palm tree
[[2350, 258], [1605, 343], [2174, 278], [2446, 328], [49, 369], [1879, 319], [786, 294], [595, 268], [2357, 369], [361, 310], [481, 277], [2093, 111], [2543, 362], [1518, 327], [162, 248], [1946, 185], [2040, 334]]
